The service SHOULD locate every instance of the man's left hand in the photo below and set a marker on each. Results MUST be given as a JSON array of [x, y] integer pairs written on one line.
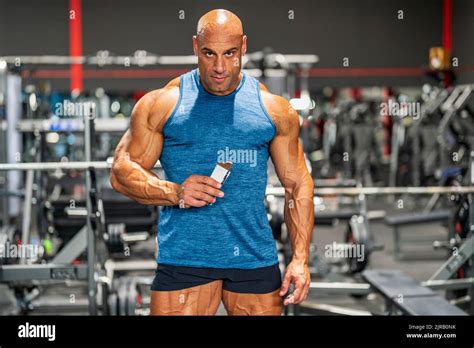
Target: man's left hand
[[297, 273]]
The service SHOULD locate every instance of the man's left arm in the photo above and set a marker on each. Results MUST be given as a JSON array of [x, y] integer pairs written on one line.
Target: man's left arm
[[287, 156]]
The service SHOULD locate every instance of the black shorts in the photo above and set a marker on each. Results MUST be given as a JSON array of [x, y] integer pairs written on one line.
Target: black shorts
[[247, 281]]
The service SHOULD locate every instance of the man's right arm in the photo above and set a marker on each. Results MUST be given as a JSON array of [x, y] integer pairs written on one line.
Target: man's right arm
[[140, 148]]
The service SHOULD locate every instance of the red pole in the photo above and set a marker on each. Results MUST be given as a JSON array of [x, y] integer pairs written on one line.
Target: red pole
[[447, 21], [75, 43], [447, 35]]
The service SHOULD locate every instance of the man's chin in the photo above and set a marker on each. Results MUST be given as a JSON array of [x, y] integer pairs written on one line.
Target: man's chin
[[218, 89]]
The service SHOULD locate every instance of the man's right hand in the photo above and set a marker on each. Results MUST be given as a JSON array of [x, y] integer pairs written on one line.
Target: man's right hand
[[199, 191]]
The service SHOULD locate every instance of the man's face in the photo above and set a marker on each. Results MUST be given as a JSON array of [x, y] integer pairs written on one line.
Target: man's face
[[219, 60]]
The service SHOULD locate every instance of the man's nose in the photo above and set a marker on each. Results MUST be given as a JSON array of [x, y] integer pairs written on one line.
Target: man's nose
[[219, 66]]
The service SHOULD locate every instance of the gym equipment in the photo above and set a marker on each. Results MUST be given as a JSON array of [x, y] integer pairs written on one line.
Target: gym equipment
[[10, 109], [357, 235], [3, 143], [405, 294], [400, 220], [93, 237], [397, 288], [425, 146], [6, 237], [456, 275], [459, 266], [428, 190], [126, 222], [358, 232], [61, 165], [350, 142], [147, 60], [115, 125], [456, 120], [61, 267], [125, 297], [409, 160]]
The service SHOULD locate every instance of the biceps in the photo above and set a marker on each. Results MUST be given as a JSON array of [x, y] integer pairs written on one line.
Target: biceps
[[141, 146]]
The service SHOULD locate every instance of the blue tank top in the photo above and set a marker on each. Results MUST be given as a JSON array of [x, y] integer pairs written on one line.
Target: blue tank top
[[202, 130]]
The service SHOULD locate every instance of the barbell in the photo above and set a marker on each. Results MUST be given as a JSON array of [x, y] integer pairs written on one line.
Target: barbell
[[274, 191], [44, 166], [355, 191]]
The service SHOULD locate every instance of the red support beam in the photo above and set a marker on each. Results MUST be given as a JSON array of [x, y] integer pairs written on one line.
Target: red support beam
[[75, 43], [447, 36], [447, 24], [359, 72]]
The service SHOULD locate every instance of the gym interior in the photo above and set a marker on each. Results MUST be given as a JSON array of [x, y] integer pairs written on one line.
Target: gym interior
[[384, 91]]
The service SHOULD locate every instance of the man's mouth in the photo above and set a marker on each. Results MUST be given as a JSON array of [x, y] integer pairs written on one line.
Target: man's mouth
[[218, 79]]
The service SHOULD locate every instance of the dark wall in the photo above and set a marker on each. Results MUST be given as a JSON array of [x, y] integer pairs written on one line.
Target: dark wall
[[29, 27], [368, 32], [463, 38]]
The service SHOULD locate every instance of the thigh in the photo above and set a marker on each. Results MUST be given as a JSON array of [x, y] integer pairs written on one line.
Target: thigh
[[253, 291], [252, 304], [196, 300]]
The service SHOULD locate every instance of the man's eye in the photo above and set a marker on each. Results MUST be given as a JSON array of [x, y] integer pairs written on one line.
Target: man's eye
[[229, 54], [209, 54]]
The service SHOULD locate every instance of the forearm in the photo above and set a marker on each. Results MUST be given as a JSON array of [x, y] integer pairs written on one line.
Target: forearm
[[299, 217], [142, 185]]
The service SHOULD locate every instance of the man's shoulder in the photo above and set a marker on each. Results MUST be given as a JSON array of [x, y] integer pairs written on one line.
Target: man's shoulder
[[157, 105], [174, 82], [280, 109], [273, 102]]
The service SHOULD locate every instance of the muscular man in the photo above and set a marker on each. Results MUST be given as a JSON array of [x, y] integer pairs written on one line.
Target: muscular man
[[217, 244]]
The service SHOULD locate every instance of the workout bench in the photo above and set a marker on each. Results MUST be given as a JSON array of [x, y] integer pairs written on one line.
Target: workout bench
[[404, 294], [397, 221]]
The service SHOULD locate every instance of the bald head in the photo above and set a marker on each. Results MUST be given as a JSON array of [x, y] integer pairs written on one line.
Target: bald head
[[219, 45], [219, 21]]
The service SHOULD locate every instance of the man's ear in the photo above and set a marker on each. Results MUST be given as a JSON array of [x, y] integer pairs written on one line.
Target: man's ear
[[244, 45], [195, 45]]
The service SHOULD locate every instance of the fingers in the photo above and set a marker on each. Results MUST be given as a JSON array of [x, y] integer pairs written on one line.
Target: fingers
[[199, 191], [285, 285], [201, 196], [301, 290], [289, 300], [299, 285], [209, 190], [196, 199], [299, 294], [207, 180], [193, 202]]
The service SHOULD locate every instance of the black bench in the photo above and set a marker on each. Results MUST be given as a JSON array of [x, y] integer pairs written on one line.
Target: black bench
[[407, 295], [396, 221]]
